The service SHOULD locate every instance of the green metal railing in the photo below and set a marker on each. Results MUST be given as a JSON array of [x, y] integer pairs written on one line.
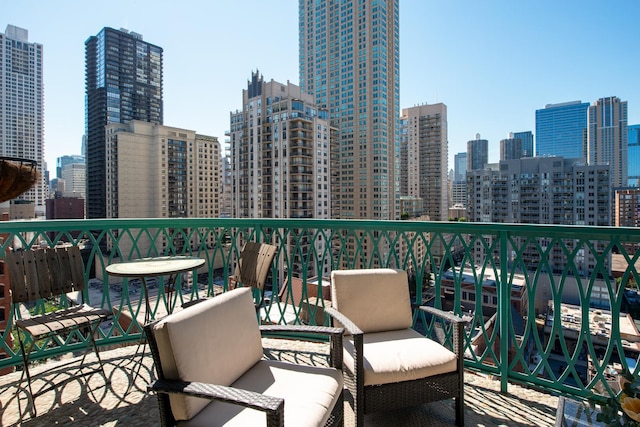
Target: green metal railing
[[511, 281]]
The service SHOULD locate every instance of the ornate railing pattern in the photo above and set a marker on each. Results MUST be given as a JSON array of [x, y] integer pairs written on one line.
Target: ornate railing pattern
[[510, 280]]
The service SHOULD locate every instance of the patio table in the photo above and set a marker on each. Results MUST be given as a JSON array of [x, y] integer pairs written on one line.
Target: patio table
[[576, 414], [145, 268]]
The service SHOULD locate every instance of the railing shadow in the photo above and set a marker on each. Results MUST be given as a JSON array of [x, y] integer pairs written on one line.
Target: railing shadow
[[88, 400]]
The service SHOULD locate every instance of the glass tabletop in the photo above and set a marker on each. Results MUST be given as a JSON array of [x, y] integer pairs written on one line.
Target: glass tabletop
[[155, 266], [572, 413]]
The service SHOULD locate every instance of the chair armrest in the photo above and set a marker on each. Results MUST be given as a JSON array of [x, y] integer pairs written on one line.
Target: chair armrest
[[358, 345], [307, 329], [241, 397], [335, 337], [453, 318], [344, 320], [458, 324]]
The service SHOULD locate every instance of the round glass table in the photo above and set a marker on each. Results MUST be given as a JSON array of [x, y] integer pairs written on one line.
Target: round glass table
[[144, 268]]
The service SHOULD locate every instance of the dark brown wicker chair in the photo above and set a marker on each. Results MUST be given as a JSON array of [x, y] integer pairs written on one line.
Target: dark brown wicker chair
[[388, 365], [213, 351]]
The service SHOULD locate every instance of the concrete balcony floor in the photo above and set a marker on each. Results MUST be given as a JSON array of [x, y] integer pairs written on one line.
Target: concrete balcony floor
[[87, 401]]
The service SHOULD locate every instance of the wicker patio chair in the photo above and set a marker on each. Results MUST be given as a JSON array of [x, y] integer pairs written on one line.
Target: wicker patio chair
[[388, 365], [211, 371]]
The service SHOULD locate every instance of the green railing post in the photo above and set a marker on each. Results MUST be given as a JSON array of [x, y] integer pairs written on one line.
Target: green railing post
[[504, 311]]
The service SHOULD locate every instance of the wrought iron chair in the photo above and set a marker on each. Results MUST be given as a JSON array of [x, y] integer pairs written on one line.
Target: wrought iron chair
[[388, 365], [211, 370], [46, 274]]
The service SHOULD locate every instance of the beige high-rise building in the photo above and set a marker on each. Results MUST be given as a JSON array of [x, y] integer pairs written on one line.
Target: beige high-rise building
[[156, 171], [424, 151], [281, 165], [607, 137], [74, 176]]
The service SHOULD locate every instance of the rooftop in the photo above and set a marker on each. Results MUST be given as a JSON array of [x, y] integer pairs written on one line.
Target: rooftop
[[86, 401]]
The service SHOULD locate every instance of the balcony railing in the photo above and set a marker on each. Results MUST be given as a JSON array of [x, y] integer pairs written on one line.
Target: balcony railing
[[543, 306]]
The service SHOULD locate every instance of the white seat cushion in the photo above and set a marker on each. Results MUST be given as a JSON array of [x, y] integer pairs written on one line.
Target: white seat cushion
[[215, 341], [310, 393], [401, 355]]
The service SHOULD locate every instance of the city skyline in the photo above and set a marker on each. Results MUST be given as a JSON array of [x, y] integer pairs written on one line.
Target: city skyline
[[456, 54]]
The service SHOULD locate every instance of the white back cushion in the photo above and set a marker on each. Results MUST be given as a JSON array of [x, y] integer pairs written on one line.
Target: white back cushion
[[215, 341], [376, 300]]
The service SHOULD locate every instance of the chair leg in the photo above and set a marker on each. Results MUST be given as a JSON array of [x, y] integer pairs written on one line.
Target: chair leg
[[95, 350], [460, 410], [25, 371]]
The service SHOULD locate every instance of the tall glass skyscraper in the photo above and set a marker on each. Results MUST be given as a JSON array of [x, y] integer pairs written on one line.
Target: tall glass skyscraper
[[527, 142], [633, 158], [477, 153], [22, 105], [561, 130], [349, 62], [460, 167], [123, 82]]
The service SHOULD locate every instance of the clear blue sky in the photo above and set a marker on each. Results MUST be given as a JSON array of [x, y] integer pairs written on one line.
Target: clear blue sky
[[492, 62]]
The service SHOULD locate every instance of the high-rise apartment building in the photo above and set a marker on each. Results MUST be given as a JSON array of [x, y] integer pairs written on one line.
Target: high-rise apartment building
[[627, 212], [477, 153], [542, 190], [424, 150], [633, 179], [226, 180], [22, 106], [510, 148], [123, 82], [607, 137], [74, 176], [281, 158], [561, 130], [517, 146], [349, 62], [156, 171]]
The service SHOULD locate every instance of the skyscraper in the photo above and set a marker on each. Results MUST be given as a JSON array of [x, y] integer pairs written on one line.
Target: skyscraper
[[158, 171], [460, 167], [424, 146], [22, 105], [281, 166], [477, 153], [123, 82], [510, 148], [561, 130], [527, 142], [349, 62], [633, 157], [459, 184], [607, 137]]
